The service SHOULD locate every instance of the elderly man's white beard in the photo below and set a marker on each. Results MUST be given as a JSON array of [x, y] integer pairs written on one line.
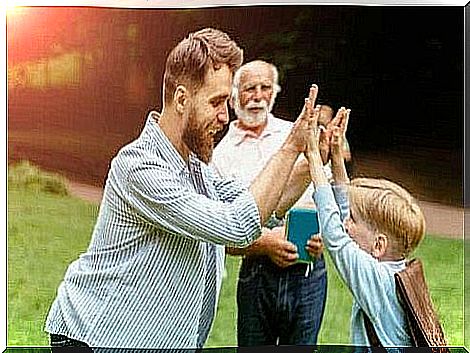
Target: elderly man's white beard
[[253, 120]]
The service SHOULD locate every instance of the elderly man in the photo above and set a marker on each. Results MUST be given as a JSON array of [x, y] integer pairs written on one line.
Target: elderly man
[[279, 301], [152, 272]]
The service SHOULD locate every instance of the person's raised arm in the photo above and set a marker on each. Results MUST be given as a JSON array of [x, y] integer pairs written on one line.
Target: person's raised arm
[[269, 185], [300, 178], [338, 167], [313, 152]]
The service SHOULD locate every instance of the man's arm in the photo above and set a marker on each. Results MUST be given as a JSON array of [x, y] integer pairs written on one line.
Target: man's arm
[[296, 186], [298, 182], [269, 185], [159, 197]]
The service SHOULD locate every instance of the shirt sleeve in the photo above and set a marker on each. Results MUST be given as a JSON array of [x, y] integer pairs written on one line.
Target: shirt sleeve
[[366, 280], [228, 189], [161, 198], [341, 196]]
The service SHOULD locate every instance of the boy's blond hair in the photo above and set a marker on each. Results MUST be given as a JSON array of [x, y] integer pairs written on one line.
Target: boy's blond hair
[[389, 209]]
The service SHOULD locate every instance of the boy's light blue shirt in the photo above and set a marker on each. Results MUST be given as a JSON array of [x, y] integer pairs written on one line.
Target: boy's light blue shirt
[[370, 281]]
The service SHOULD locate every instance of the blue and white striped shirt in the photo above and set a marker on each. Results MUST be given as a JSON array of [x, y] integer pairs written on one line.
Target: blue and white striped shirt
[[142, 282]]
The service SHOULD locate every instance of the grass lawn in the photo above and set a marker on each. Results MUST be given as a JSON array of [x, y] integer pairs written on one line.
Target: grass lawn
[[46, 232], [443, 264]]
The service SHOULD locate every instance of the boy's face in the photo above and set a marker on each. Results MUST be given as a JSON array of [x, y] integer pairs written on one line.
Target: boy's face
[[360, 232]]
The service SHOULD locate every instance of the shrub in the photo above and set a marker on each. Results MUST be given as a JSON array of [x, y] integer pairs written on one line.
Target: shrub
[[25, 175]]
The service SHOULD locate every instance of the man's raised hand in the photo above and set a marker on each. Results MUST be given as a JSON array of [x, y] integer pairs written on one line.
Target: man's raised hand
[[298, 138]]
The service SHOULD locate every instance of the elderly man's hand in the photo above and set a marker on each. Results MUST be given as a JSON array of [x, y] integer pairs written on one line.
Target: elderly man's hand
[[281, 251], [315, 246]]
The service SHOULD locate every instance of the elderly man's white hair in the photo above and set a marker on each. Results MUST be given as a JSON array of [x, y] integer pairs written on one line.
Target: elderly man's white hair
[[249, 66]]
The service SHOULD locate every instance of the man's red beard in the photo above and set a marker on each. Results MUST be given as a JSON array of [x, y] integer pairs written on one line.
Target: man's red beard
[[197, 138]]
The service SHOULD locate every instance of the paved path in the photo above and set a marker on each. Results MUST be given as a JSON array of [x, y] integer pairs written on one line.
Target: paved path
[[440, 219]]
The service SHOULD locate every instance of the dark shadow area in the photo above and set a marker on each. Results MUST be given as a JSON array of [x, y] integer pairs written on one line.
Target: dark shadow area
[[81, 81]]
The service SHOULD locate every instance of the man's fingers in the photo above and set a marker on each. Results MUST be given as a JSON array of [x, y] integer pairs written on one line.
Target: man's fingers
[[315, 116], [289, 247], [345, 121], [290, 257], [285, 258], [307, 110], [312, 94]]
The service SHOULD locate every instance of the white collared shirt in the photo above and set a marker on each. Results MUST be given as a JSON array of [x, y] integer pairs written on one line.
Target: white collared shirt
[[243, 155]]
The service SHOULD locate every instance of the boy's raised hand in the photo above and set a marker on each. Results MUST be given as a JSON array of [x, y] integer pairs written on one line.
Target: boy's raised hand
[[338, 167], [338, 127], [313, 142]]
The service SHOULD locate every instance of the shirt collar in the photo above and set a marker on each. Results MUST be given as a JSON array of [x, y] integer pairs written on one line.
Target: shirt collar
[[397, 265], [239, 135], [159, 142]]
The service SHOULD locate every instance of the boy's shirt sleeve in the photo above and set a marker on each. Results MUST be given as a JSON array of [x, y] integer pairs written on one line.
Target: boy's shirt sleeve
[[341, 196], [359, 270]]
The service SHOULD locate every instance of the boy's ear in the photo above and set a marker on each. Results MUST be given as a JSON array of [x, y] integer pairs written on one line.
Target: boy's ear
[[230, 102], [380, 245], [180, 98]]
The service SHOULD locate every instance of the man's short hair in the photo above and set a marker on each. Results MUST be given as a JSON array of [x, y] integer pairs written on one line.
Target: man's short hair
[[389, 209], [189, 62]]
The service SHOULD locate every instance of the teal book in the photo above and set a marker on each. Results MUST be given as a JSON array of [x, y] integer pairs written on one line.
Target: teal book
[[302, 223]]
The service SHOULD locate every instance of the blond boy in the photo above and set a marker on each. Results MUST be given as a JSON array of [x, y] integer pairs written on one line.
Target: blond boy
[[369, 227]]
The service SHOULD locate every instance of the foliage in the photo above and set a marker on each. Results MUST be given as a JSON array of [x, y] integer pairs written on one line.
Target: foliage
[[25, 175]]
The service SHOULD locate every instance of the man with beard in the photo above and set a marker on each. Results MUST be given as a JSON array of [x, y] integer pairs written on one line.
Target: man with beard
[[279, 301], [151, 275]]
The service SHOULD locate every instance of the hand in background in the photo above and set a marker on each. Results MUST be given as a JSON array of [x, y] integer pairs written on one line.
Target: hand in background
[[281, 251], [315, 246]]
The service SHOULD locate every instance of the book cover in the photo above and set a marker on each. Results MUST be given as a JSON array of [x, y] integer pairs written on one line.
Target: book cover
[[302, 223]]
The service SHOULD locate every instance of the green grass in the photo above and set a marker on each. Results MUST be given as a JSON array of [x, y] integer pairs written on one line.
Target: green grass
[[443, 264], [47, 231]]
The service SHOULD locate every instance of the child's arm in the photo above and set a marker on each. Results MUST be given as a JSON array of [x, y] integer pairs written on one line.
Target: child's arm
[[358, 269], [315, 162], [338, 167]]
